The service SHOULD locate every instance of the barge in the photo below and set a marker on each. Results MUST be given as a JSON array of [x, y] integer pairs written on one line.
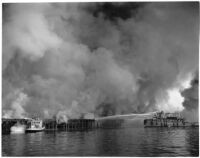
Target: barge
[[162, 119]]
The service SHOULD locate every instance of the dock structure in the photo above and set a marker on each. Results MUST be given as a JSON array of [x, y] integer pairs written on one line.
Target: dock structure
[[110, 123], [71, 125], [158, 120], [77, 124], [8, 123], [52, 125]]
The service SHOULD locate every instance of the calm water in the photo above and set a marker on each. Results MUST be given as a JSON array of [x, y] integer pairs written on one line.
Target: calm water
[[105, 142]]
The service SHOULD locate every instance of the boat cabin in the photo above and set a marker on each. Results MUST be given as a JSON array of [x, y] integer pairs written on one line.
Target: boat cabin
[[35, 124]]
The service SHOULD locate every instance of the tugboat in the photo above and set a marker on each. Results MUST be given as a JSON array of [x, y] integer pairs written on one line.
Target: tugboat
[[36, 125]]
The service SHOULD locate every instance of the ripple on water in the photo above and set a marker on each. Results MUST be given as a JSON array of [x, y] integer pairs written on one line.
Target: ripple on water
[[105, 142]]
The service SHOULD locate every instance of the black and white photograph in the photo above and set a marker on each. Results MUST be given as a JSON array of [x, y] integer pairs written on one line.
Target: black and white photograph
[[100, 79]]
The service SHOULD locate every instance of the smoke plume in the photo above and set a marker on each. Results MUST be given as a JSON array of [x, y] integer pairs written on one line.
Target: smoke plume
[[77, 58], [191, 102], [17, 105]]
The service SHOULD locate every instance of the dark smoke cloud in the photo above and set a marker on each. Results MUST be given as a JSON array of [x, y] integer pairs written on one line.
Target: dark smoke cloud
[[191, 102], [67, 59], [191, 94], [114, 11]]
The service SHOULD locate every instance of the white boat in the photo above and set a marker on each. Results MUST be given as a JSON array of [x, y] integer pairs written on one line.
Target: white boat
[[18, 128], [35, 126]]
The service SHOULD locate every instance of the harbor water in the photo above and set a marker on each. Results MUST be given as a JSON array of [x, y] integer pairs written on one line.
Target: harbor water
[[132, 141]]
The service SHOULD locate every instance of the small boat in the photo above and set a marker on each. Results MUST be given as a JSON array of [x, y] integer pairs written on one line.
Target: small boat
[[35, 125], [17, 128]]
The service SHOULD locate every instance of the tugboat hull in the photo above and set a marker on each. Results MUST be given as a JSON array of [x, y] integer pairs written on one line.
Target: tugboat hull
[[30, 130], [35, 126]]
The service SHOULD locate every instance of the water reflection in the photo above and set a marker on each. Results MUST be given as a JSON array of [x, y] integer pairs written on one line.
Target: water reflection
[[108, 142], [18, 144], [192, 138], [105, 142]]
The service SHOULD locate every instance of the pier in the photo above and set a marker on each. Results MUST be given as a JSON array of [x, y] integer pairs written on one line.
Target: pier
[[110, 123], [77, 124], [71, 125], [6, 124], [158, 120]]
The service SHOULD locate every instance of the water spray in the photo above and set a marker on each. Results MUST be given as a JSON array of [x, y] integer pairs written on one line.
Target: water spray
[[128, 116]]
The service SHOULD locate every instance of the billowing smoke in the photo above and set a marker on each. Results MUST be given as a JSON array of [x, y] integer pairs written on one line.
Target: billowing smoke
[[77, 58], [191, 101], [61, 117], [16, 110]]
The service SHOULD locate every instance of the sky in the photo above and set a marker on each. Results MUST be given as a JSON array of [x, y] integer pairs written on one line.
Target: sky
[[64, 60]]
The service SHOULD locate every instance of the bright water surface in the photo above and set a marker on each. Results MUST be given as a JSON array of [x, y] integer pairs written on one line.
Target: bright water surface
[[105, 142]]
